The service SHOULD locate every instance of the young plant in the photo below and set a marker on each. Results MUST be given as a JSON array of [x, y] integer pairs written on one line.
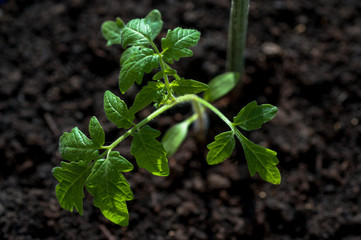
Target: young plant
[[99, 167]]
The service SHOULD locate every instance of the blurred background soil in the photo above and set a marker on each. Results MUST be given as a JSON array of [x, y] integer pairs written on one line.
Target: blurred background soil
[[302, 56]]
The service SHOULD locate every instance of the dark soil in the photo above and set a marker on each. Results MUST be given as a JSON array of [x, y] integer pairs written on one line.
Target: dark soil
[[302, 56]]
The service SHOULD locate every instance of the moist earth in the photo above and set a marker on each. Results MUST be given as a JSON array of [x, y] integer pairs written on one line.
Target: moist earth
[[302, 56]]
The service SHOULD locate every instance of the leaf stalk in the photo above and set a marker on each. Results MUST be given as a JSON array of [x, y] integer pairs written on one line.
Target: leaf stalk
[[178, 100]]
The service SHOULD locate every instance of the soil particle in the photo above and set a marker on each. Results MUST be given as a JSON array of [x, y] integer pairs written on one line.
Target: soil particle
[[216, 182]]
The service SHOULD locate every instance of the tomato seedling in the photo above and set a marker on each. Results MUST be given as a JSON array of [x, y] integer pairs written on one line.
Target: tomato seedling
[[98, 167]]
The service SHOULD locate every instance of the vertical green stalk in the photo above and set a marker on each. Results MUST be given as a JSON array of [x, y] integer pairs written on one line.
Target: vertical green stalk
[[237, 36]]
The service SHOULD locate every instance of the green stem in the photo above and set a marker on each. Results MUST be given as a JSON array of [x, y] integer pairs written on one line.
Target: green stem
[[237, 36], [154, 47], [191, 119], [176, 76], [224, 118], [141, 124], [165, 76], [178, 100], [163, 67], [215, 110]]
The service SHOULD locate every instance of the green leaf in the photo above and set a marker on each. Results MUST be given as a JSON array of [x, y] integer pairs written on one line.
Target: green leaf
[[69, 191], [116, 111], [221, 85], [187, 86], [154, 19], [175, 45], [123, 164], [149, 152], [175, 136], [221, 148], [170, 71], [252, 116], [96, 131], [146, 96], [158, 76], [111, 31], [128, 53], [75, 146], [110, 189], [120, 22], [142, 61], [261, 160], [136, 33]]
